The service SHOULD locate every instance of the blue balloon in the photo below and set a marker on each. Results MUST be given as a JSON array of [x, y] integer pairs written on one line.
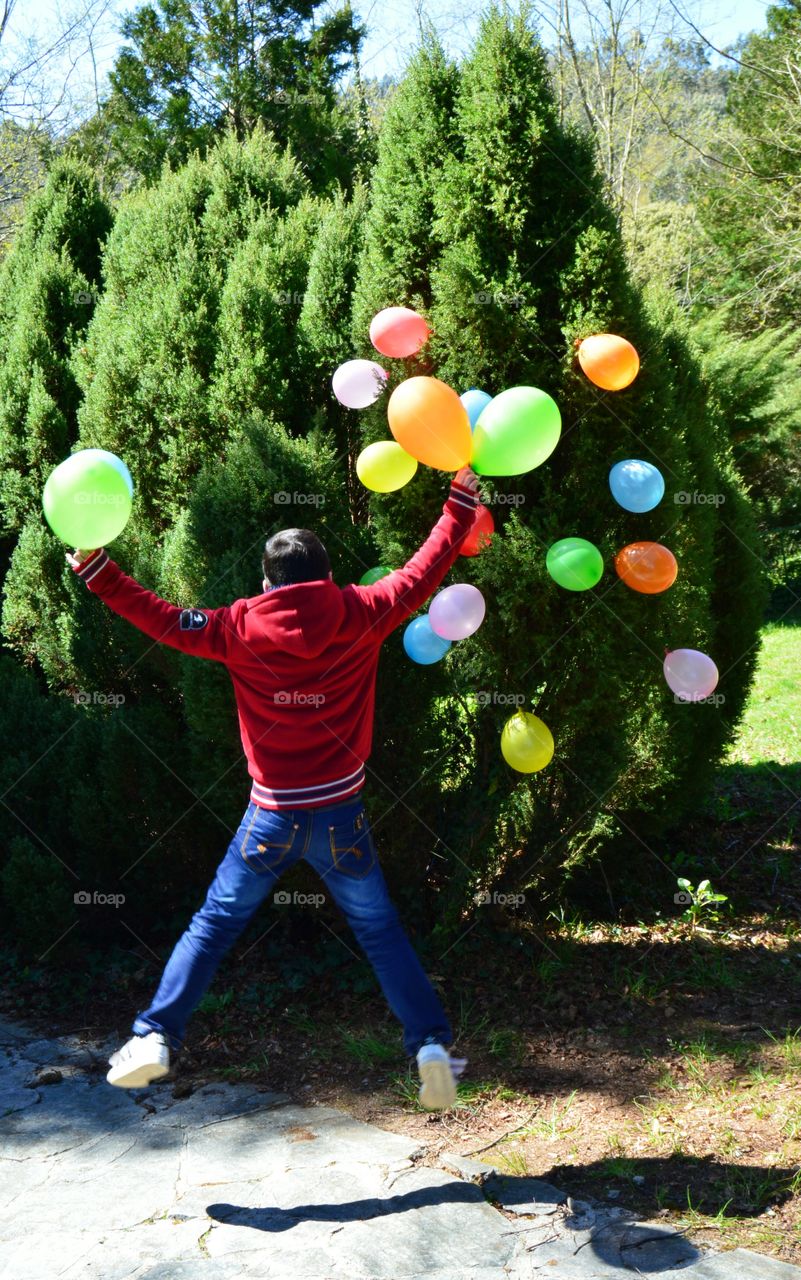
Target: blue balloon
[[422, 644], [474, 401], [114, 461], [636, 485]]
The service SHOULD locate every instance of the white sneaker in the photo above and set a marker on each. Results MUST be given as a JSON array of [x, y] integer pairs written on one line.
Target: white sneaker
[[140, 1060], [438, 1074]]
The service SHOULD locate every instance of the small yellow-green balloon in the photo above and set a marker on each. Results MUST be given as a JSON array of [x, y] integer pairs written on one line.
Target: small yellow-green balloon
[[526, 743], [87, 498], [385, 466]]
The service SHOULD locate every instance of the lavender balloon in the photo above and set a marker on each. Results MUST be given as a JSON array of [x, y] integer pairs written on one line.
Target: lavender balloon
[[359, 383], [457, 611], [690, 674]]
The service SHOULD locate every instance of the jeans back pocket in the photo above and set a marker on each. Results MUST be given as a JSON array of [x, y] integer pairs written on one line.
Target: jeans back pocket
[[268, 839], [352, 847]]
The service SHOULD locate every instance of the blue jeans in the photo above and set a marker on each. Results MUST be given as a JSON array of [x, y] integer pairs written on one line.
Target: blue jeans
[[337, 841]]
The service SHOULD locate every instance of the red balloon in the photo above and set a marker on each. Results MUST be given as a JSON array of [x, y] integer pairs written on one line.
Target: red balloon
[[480, 532], [398, 331]]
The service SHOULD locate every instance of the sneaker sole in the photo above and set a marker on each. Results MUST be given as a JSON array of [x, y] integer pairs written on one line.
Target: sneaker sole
[[438, 1088], [133, 1077]]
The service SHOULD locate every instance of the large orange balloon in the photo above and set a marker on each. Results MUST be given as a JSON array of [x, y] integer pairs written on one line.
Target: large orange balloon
[[429, 421], [647, 566], [609, 361]]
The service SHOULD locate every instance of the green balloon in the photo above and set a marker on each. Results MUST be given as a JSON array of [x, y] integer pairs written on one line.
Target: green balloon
[[575, 564], [372, 575], [516, 432], [86, 500]]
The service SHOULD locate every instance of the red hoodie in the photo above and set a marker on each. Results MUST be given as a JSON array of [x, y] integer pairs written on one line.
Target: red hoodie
[[302, 659]]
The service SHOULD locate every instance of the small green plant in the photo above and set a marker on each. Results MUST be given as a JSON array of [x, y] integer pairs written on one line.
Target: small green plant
[[700, 902], [369, 1049], [212, 1003], [508, 1044]]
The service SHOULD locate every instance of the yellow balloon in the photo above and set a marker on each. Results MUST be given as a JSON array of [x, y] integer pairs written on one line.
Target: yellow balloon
[[526, 743], [385, 466]]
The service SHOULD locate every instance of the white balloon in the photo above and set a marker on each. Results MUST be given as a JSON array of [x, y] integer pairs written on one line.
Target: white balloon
[[359, 383]]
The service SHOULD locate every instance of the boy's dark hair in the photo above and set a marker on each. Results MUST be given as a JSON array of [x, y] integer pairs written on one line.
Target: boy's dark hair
[[294, 555]]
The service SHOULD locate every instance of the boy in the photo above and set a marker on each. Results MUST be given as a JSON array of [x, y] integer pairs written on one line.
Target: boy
[[303, 658]]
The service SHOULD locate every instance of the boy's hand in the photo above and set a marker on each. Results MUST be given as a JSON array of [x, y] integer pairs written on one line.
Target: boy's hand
[[467, 478], [77, 557]]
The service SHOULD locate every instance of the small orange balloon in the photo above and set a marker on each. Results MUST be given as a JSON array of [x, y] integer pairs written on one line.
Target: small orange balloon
[[647, 566], [609, 361], [429, 421]]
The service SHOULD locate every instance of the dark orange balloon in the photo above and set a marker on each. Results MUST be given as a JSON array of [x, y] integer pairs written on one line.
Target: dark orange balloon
[[608, 360], [647, 566]]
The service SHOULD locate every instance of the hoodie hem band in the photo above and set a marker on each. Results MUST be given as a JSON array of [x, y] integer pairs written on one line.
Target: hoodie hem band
[[307, 797]]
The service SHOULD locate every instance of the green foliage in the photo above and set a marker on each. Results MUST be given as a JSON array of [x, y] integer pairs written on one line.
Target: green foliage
[[37, 897], [521, 256], [191, 72], [755, 385], [230, 292], [749, 201], [48, 285], [194, 350]]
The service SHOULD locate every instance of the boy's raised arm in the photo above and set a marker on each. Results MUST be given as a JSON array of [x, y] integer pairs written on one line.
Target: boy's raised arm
[[203, 632], [399, 594]]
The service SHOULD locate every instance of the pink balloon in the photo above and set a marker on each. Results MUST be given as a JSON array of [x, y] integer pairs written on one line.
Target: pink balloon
[[457, 611], [398, 331], [690, 674], [358, 383]]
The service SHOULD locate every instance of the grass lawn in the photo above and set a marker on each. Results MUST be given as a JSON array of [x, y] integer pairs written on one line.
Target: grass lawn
[[653, 1063]]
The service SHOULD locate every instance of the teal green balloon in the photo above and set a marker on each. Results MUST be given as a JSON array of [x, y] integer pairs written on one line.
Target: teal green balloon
[[515, 433], [87, 500], [575, 564], [373, 575]]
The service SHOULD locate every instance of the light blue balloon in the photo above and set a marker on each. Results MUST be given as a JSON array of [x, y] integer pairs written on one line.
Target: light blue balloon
[[474, 401], [422, 644], [636, 485], [114, 461]]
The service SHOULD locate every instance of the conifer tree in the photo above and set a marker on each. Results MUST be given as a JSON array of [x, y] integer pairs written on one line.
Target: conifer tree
[[523, 257], [49, 283]]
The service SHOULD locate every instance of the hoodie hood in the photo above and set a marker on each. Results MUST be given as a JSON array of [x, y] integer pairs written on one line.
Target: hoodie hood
[[302, 618]]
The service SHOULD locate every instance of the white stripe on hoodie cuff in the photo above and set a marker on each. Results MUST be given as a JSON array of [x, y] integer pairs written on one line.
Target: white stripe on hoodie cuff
[[464, 497], [88, 570]]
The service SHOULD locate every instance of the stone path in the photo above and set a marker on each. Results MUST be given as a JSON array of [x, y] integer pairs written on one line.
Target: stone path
[[232, 1182]]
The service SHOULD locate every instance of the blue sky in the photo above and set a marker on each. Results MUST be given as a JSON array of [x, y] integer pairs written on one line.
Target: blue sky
[[392, 26]]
